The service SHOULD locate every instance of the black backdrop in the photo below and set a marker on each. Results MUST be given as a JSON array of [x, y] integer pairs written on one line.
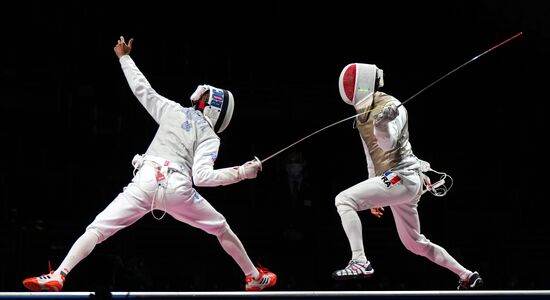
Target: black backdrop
[[70, 127]]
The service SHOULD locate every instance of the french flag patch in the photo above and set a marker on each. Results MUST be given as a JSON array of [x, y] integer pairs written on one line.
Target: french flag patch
[[390, 178]]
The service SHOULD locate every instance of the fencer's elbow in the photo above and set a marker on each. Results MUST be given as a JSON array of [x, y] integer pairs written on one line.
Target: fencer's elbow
[[200, 179]]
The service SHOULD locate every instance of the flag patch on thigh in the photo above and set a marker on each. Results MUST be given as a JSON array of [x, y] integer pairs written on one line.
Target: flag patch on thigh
[[390, 179]]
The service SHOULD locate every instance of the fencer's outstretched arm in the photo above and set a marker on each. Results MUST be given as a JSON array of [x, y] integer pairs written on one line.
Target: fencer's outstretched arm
[[204, 173], [154, 103]]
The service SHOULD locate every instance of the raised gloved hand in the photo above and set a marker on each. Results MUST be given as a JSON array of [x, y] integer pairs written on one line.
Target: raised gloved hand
[[250, 169], [388, 114]]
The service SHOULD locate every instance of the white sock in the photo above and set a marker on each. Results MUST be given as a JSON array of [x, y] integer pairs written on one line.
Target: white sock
[[354, 232], [233, 246], [80, 250]]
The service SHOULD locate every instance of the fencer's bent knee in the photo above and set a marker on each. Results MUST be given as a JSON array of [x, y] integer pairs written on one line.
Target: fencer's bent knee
[[100, 237], [418, 247], [218, 231], [344, 203]]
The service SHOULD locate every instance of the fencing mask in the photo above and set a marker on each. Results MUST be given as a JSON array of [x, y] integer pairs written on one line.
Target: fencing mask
[[218, 109], [358, 82]]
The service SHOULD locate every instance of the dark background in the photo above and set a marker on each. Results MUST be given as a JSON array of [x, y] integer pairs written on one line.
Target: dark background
[[70, 127]]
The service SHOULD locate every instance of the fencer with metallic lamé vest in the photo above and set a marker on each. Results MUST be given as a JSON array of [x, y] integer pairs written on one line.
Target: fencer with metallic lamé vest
[[383, 160]]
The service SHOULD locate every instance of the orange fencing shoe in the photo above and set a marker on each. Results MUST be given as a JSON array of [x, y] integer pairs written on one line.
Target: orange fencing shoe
[[266, 279], [47, 282]]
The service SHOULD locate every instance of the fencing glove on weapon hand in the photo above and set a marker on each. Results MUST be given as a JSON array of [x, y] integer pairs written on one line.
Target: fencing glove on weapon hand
[[235, 174], [250, 169], [388, 114]]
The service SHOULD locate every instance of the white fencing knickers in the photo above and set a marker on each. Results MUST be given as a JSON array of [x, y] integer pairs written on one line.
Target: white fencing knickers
[[401, 191], [176, 197]]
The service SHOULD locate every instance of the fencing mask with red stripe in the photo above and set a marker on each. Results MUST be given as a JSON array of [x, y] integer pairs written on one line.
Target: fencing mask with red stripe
[[358, 82]]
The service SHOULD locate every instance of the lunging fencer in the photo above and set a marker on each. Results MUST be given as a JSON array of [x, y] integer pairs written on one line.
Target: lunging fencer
[[396, 177], [181, 154]]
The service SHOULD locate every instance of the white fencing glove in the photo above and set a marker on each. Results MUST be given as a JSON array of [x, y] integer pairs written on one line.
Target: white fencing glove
[[388, 114], [250, 169]]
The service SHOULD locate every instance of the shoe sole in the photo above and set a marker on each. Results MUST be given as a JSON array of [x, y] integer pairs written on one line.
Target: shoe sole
[[256, 289], [35, 287], [32, 286], [358, 276]]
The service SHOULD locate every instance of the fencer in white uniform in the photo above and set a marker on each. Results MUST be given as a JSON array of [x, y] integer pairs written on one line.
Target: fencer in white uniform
[[182, 153], [395, 176]]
